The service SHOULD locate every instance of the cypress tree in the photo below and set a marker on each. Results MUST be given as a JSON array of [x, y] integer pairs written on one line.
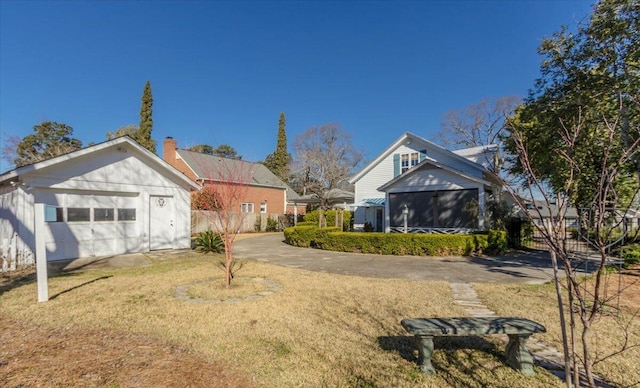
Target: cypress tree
[[278, 161], [143, 135]]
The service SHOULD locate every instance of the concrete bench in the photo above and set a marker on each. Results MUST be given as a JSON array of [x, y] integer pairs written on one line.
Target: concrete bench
[[518, 330]]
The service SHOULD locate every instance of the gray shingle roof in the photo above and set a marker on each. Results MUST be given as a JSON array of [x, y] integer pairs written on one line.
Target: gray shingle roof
[[210, 167]]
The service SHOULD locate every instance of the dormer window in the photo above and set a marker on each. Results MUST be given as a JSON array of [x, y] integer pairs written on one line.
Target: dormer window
[[408, 161], [403, 162]]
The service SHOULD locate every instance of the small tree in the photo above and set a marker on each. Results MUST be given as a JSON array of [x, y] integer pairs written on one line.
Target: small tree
[[225, 185]]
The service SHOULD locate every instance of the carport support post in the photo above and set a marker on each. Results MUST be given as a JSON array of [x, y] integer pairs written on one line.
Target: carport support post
[[41, 255]]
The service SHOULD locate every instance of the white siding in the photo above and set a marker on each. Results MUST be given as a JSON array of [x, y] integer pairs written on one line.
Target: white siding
[[16, 221], [107, 178], [433, 179]]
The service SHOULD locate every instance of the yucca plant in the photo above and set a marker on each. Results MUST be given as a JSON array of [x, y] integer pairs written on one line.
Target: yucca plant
[[208, 242]]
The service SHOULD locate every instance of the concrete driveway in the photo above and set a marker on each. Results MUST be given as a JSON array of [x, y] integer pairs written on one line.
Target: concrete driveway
[[531, 268]]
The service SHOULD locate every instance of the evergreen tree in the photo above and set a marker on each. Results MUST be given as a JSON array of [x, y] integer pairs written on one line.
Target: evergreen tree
[[143, 135], [278, 162], [50, 139]]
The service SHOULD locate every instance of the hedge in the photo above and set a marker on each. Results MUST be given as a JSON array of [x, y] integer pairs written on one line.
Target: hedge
[[306, 236], [330, 217], [387, 243]]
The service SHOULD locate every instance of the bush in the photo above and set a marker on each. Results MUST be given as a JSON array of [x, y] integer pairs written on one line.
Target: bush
[[208, 242], [497, 241], [272, 225], [386, 243], [631, 254], [306, 236], [330, 217]]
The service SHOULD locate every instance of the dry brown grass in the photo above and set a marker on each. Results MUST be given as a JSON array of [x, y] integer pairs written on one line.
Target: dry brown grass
[[608, 332], [318, 330]]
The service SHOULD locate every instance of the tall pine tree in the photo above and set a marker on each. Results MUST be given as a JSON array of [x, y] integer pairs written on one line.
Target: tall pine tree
[[278, 162], [143, 135]]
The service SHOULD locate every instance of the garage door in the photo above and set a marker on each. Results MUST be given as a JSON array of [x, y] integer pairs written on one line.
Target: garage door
[[92, 225]]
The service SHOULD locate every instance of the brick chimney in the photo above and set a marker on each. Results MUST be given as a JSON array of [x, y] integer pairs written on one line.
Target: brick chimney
[[169, 147]]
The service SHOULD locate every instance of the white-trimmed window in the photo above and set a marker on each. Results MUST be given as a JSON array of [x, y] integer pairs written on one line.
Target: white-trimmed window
[[263, 207], [246, 207], [408, 161]]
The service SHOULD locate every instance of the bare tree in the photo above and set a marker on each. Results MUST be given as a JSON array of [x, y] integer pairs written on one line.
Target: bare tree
[[225, 184], [324, 159], [478, 125], [609, 209]]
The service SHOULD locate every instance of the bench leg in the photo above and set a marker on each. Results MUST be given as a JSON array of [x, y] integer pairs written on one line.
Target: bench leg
[[518, 356], [425, 349]]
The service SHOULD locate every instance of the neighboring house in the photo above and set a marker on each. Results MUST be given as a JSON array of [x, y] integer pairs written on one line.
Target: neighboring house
[[334, 198], [266, 193], [438, 189], [110, 198]]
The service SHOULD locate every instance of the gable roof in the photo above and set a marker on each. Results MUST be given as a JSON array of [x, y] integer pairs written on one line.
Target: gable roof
[[204, 167], [420, 140], [431, 162], [122, 144]]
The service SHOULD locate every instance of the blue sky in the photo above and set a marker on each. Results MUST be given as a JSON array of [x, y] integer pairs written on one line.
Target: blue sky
[[222, 71]]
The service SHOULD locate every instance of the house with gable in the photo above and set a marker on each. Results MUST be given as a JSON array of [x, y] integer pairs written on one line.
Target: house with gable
[[437, 190], [266, 193], [110, 198]]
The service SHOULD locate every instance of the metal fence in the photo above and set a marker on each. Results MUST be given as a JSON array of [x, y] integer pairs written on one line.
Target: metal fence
[[579, 238]]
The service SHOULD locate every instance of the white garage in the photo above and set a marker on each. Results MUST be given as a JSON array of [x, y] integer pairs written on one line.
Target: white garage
[[111, 198]]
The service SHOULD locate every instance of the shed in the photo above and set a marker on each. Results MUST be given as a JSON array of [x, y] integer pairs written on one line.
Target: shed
[[111, 198]]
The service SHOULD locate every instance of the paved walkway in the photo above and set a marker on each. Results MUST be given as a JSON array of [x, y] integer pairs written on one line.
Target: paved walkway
[[531, 268]]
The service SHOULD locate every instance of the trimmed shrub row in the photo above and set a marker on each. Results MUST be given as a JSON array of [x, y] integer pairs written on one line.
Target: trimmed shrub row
[[393, 243]]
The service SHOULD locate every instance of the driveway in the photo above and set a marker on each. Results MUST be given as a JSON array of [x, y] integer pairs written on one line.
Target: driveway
[[525, 267]]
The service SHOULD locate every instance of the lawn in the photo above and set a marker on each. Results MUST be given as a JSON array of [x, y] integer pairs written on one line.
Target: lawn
[[172, 322]]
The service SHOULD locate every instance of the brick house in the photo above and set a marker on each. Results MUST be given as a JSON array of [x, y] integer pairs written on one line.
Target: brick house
[[266, 193]]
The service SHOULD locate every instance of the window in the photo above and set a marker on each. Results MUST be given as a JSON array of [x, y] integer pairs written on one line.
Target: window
[[103, 214], [414, 159], [53, 214], [405, 162], [408, 161], [246, 207], [78, 214], [126, 214], [263, 207]]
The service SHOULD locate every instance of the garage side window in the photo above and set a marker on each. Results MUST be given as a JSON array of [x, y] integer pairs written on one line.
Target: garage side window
[[103, 214], [53, 214], [126, 214], [78, 214]]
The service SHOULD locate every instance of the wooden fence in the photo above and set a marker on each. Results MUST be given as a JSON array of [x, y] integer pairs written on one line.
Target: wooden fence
[[202, 220]]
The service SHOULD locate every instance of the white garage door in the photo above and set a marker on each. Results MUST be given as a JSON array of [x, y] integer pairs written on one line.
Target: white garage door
[[92, 225]]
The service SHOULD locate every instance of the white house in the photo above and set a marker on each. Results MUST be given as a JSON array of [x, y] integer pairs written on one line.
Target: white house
[[435, 188], [111, 198]]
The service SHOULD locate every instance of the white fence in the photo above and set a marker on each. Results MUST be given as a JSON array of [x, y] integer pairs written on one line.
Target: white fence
[[202, 220]]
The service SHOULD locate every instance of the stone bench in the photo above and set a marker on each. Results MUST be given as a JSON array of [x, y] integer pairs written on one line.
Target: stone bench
[[518, 330]]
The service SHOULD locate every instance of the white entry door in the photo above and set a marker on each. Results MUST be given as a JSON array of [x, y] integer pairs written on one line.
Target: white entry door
[[161, 222]]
